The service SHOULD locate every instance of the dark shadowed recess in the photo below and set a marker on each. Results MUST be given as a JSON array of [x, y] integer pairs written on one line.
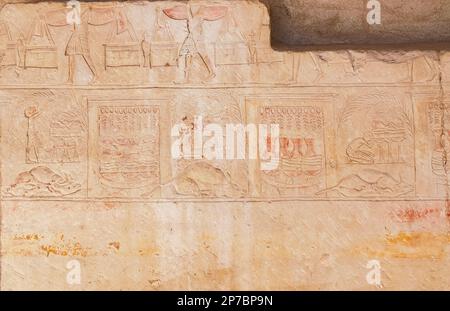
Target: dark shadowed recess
[[334, 24]]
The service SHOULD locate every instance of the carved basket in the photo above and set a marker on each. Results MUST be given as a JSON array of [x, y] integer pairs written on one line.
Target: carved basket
[[10, 56], [41, 57], [164, 54], [121, 55], [232, 53], [266, 54]]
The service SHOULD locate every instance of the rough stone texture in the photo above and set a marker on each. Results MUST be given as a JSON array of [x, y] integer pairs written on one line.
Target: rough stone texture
[[87, 171], [315, 22]]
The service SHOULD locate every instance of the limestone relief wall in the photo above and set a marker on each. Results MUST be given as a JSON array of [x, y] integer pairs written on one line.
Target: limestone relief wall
[[88, 173]]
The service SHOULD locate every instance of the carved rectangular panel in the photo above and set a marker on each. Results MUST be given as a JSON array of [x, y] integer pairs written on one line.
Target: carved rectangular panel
[[304, 123], [196, 176], [44, 145], [375, 133], [124, 144]]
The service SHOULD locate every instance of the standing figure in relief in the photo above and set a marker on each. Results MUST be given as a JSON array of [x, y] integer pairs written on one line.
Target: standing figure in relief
[[145, 46], [79, 45], [194, 43], [33, 141]]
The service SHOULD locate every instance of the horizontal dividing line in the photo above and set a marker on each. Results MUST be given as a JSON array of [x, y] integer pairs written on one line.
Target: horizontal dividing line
[[206, 200], [222, 86]]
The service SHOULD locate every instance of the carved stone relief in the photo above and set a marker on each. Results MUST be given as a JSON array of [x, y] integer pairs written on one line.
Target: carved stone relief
[[90, 113]]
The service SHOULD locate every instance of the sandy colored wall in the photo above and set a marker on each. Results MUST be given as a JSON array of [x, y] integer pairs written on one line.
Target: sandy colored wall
[[87, 172]]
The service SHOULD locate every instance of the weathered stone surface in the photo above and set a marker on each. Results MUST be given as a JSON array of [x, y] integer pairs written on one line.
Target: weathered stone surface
[[324, 22], [88, 172]]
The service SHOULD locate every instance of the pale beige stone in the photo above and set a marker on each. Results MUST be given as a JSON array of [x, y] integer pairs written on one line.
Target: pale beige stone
[[87, 171]]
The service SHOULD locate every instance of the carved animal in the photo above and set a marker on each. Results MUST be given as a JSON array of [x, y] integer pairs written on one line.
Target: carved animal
[[358, 59], [42, 181], [203, 179], [369, 183]]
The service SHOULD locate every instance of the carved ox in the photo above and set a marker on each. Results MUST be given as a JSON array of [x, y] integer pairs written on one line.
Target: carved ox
[[355, 60]]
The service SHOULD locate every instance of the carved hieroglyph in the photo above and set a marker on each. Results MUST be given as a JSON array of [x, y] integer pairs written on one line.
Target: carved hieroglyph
[[87, 170]]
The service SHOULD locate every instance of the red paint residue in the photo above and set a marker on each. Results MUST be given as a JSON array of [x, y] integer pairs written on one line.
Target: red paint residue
[[412, 215]]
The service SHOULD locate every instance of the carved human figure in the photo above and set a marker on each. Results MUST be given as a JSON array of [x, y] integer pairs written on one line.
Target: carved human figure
[[20, 52], [32, 148], [78, 45], [194, 43], [145, 46], [4, 37]]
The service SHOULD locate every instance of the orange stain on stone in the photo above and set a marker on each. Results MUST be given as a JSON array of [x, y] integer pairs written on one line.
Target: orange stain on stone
[[152, 251], [115, 245], [27, 237], [64, 248], [410, 245]]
